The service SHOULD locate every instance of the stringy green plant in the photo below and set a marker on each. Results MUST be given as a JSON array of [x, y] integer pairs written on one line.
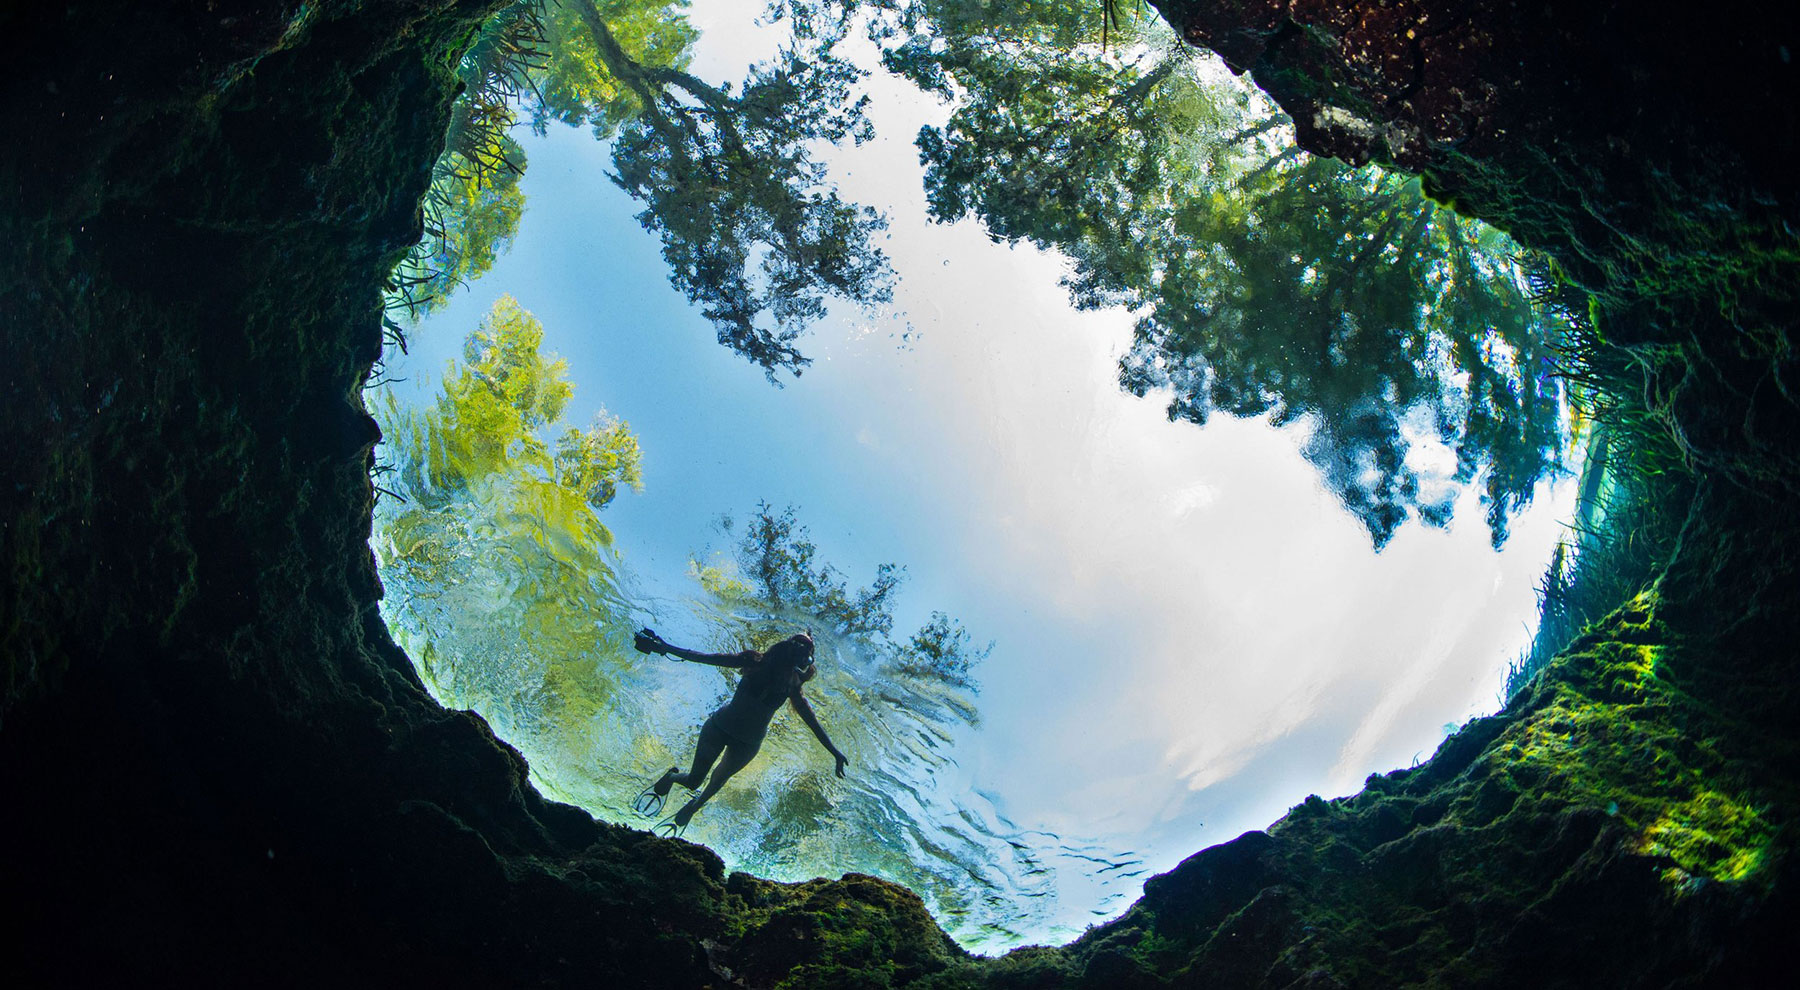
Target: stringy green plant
[[474, 203], [1635, 486]]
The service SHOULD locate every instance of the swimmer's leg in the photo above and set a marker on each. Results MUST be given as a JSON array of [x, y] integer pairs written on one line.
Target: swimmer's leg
[[737, 757], [712, 743], [649, 802]]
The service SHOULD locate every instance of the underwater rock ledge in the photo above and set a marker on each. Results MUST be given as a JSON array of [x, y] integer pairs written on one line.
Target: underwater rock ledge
[[219, 766]]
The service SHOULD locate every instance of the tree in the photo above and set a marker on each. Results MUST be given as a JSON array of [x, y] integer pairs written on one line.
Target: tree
[[942, 649], [1268, 281], [471, 219], [773, 571], [500, 576], [752, 230]]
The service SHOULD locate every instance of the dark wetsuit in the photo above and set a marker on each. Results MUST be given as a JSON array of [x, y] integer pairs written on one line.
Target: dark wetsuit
[[735, 732], [745, 718]]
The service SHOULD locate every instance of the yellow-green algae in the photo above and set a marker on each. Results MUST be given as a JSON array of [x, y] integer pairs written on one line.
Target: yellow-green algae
[[1613, 800], [1612, 734]]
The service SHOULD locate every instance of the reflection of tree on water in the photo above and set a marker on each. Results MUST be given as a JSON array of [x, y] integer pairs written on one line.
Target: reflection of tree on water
[[499, 543], [752, 230], [1268, 281], [502, 581]]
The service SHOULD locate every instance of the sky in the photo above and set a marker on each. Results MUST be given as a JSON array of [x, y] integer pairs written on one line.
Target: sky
[[1191, 635]]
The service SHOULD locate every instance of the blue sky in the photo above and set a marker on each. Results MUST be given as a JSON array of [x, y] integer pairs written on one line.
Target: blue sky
[[1191, 634]]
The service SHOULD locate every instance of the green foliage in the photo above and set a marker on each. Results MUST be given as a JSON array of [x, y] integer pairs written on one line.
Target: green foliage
[[474, 205], [1268, 282], [752, 230], [501, 575], [597, 460], [577, 87], [1650, 760], [779, 559], [1635, 493], [471, 218], [1630, 511], [777, 573], [493, 407], [942, 648]]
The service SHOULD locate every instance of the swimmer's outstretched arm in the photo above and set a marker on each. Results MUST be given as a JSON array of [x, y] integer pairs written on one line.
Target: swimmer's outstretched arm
[[647, 641], [800, 704]]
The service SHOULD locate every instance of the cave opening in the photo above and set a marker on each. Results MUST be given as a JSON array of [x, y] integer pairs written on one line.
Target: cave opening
[[222, 766], [1130, 627]]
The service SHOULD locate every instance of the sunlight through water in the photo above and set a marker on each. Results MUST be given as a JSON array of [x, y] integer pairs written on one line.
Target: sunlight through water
[[1190, 632]]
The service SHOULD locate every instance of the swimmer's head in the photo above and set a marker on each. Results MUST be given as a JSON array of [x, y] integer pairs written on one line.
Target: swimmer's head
[[795, 652]]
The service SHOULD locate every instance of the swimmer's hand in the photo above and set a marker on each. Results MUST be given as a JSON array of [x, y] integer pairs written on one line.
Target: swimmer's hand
[[647, 641], [841, 763]]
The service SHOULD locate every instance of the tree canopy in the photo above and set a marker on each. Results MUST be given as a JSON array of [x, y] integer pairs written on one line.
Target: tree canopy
[[753, 230], [474, 204], [501, 574], [1268, 281], [773, 571]]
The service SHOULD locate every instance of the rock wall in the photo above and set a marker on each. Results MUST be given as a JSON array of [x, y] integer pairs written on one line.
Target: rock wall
[[217, 763], [219, 767]]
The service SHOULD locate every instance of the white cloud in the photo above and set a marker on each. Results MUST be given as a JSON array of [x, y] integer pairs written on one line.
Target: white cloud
[[1185, 501]]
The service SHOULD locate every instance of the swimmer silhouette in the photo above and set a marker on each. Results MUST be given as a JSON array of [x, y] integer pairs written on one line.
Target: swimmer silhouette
[[737, 729]]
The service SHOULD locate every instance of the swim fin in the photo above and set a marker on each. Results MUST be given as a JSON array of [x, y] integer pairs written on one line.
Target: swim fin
[[649, 801]]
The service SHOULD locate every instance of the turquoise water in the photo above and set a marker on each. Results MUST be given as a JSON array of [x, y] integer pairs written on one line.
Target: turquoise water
[[597, 724]]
